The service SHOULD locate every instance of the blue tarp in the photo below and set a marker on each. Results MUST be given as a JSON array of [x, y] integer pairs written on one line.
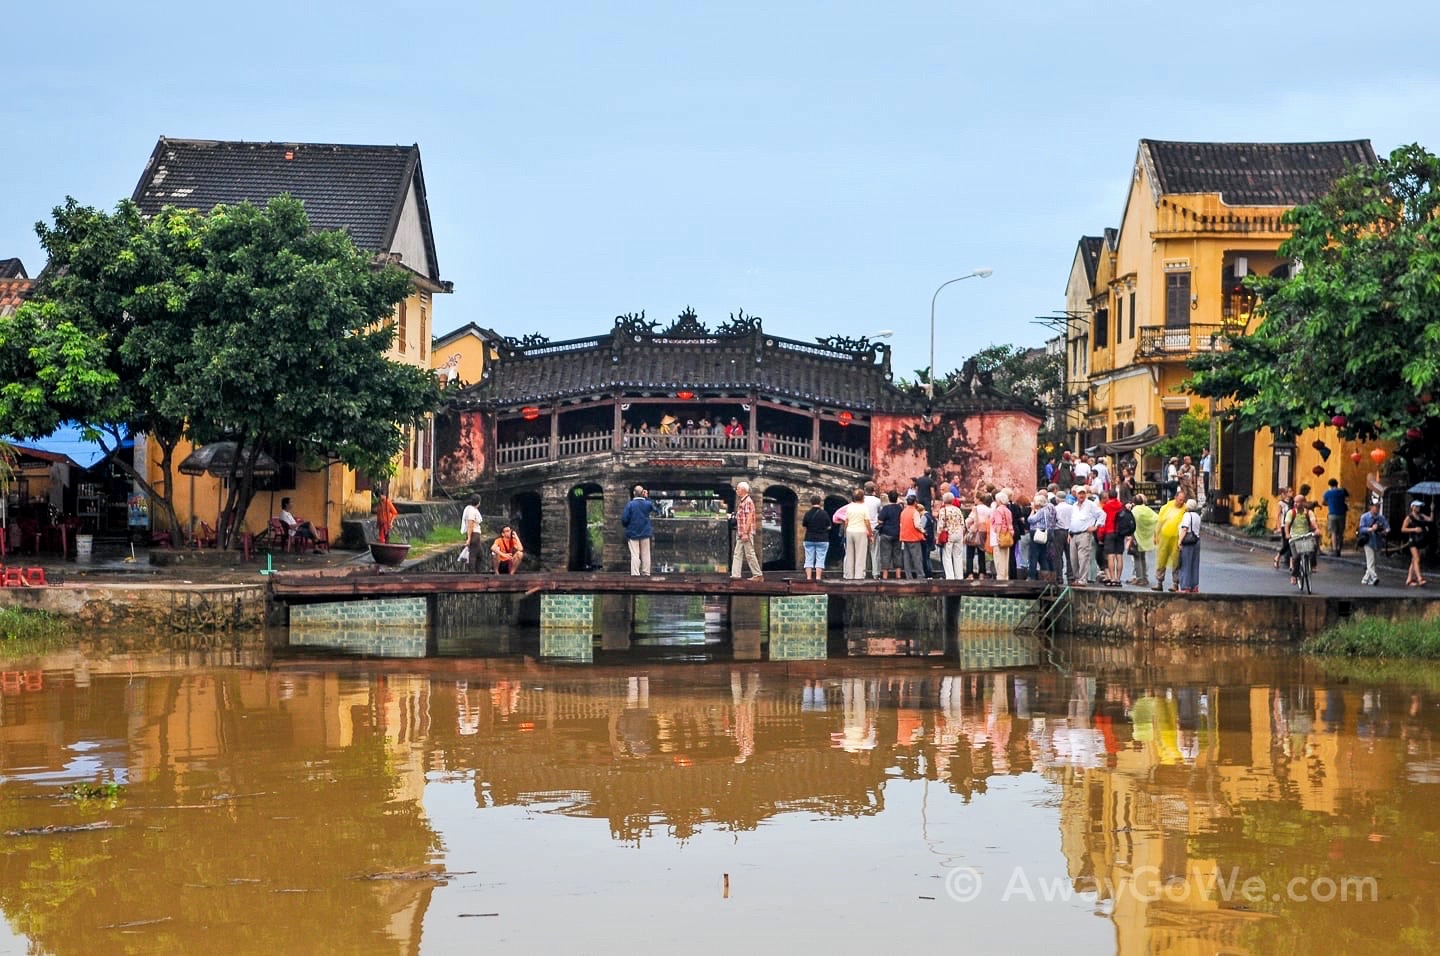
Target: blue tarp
[[67, 440]]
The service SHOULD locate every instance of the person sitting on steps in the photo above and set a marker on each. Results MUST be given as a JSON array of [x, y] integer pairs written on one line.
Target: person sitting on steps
[[507, 552]]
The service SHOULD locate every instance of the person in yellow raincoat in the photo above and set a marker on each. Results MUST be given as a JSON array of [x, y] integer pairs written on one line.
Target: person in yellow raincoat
[[1167, 538]]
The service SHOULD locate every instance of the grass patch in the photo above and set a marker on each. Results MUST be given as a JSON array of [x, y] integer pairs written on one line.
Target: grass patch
[[440, 534], [1414, 638], [25, 632], [1416, 675]]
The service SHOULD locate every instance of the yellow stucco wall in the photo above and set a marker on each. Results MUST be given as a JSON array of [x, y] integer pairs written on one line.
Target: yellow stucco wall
[[467, 350]]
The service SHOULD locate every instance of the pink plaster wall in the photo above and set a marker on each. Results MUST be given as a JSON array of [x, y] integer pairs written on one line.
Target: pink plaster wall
[[465, 463], [1002, 443]]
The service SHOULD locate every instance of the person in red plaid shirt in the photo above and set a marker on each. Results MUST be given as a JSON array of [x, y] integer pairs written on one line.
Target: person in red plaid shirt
[[745, 528]]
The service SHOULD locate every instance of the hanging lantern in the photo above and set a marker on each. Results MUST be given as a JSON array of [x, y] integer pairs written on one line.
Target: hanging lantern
[[1339, 421], [845, 418], [529, 413], [1318, 470], [1413, 433], [1426, 398], [1049, 448], [1355, 456], [685, 395], [1377, 455], [1412, 409]]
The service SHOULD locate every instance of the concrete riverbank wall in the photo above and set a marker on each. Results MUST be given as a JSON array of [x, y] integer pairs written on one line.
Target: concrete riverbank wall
[[1226, 618]]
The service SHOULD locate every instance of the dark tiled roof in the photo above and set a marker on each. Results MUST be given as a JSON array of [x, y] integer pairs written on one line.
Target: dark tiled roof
[[469, 328], [1254, 174], [1090, 256], [808, 374], [360, 189], [12, 269]]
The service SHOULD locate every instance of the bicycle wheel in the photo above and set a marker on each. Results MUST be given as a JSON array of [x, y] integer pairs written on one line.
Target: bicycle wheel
[[1304, 578]]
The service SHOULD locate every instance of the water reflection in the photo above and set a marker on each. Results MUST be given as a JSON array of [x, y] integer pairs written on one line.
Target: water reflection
[[367, 807]]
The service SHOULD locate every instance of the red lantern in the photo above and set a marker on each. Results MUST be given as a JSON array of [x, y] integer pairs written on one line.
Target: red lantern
[[845, 418], [1377, 455], [1414, 434], [685, 396], [1318, 470], [529, 413], [1339, 421], [1355, 456], [1412, 409], [1426, 398]]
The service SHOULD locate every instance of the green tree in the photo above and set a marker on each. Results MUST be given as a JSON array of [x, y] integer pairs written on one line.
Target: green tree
[[1192, 439], [96, 342], [1352, 336], [243, 325]]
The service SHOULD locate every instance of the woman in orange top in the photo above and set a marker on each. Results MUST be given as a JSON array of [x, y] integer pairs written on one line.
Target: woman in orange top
[[912, 536]]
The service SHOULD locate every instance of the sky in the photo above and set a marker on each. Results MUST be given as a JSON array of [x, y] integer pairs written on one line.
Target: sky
[[825, 166]]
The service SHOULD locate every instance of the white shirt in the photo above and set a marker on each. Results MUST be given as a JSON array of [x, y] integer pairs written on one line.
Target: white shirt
[[1102, 472], [472, 514], [872, 508], [1082, 473], [1086, 517], [1064, 511]]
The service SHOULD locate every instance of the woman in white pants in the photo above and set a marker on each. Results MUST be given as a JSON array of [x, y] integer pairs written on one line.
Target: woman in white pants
[[858, 535], [952, 552], [1002, 523]]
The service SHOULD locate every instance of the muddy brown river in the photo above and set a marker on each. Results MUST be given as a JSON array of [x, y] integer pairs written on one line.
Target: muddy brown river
[[1102, 799]]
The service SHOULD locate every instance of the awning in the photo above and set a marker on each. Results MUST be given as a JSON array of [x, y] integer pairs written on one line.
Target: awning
[[69, 441], [1123, 446]]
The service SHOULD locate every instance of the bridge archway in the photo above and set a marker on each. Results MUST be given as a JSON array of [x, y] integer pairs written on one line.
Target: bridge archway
[[523, 515], [778, 507], [586, 506]]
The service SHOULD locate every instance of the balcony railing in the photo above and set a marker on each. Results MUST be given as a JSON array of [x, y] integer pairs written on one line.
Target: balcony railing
[[1181, 341], [537, 451]]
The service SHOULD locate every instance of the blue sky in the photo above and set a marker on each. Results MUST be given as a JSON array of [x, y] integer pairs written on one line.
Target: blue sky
[[823, 165]]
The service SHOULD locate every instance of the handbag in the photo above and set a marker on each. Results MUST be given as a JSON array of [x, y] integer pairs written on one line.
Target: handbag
[[1189, 538], [1040, 537], [1004, 539], [943, 537]]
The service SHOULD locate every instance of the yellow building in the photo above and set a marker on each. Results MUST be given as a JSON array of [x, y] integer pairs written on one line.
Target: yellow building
[[1169, 284], [377, 195], [461, 355]]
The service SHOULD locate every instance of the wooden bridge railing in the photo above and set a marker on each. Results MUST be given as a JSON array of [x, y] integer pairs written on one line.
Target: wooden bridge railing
[[581, 445]]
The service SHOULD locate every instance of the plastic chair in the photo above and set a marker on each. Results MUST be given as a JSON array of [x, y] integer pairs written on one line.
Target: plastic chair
[[322, 539], [279, 535], [206, 537]]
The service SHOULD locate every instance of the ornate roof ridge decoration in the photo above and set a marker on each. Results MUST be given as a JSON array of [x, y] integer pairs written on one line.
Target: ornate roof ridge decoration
[[741, 324], [687, 325], [533, 340], [635, 324]]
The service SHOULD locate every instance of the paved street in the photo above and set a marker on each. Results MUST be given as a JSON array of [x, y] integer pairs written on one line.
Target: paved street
[[1243, 568]]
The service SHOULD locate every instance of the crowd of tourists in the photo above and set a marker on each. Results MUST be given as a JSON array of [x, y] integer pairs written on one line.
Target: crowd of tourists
[[1079, 529]]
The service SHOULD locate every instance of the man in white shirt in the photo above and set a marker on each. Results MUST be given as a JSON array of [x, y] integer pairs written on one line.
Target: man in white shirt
[[470, 522], [1084, 519], [872, 508], [1064, 511], [1082, 470], [1100, 471]]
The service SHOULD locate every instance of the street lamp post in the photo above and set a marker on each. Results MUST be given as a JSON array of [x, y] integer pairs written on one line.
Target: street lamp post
[[983, 273]]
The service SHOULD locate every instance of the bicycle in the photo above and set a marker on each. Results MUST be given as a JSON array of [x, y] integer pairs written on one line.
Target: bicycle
[[1303, 547]]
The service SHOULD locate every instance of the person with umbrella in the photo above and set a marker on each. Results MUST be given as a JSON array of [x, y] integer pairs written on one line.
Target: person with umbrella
[[1416, 530]]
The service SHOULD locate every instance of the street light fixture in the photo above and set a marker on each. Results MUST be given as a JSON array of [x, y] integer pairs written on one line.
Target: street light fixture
[[981, 273]]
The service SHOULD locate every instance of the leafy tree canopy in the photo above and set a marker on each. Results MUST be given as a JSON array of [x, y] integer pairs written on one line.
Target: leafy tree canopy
[[244, 325], [1352, 336]]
